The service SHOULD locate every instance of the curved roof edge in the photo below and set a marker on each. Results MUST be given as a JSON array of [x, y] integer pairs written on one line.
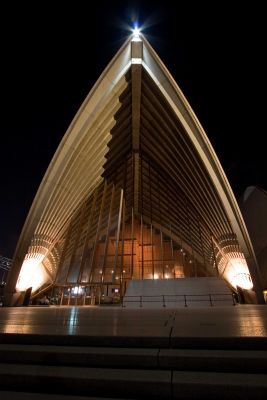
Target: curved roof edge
[[172, 92], [104, 86]]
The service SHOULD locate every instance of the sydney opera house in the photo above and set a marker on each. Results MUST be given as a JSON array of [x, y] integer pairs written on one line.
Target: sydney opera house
[[134, 191]]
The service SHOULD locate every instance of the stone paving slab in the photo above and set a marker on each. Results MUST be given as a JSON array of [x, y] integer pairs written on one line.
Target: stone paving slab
[[239, 326], [238, 321], [94, 326]]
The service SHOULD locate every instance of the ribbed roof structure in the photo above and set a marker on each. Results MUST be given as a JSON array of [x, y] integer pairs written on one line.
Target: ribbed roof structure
[[135, 151]]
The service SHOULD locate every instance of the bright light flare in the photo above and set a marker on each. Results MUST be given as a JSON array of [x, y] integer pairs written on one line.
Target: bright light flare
[[136, 33], [238, 274], [243, 280], [77, 290], [32, 274]]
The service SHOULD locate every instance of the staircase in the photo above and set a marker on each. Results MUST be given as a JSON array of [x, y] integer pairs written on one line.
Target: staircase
[[188, 369]]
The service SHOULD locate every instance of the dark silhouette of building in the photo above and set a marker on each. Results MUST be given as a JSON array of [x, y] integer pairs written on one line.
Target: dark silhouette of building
[[5, 265], [253, 205]]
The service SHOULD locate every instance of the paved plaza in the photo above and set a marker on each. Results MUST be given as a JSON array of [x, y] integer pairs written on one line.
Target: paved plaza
[[109, 325]]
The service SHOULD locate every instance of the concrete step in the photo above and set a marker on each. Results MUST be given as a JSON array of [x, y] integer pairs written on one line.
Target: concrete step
[[79, 356], [10, 395], [132, 383], [245, 361], [219, 386], [170, 341], [177, 359], [86, 340]]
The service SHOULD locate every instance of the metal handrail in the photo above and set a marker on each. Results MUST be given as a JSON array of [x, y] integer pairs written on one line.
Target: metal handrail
[[165, 298], [41, 290]]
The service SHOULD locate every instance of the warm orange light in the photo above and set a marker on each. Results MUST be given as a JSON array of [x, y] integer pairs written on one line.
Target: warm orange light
[[32, 274], [243, 280]]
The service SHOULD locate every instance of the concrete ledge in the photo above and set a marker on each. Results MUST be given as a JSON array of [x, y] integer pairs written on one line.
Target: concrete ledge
[[216, 342], [201, 385], [228, 343], [87, 381], [79, 356], [141, 384], [246, 361], [5, 395], [213, 360], [84, 340]]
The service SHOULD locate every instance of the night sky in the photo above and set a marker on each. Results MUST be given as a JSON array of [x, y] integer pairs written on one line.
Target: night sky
[[51, 57]]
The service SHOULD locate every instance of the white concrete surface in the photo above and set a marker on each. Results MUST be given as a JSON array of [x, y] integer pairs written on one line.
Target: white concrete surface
[[176, 293]]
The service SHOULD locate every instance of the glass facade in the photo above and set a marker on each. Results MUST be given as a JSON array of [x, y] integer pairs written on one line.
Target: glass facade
[[106, 243]]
